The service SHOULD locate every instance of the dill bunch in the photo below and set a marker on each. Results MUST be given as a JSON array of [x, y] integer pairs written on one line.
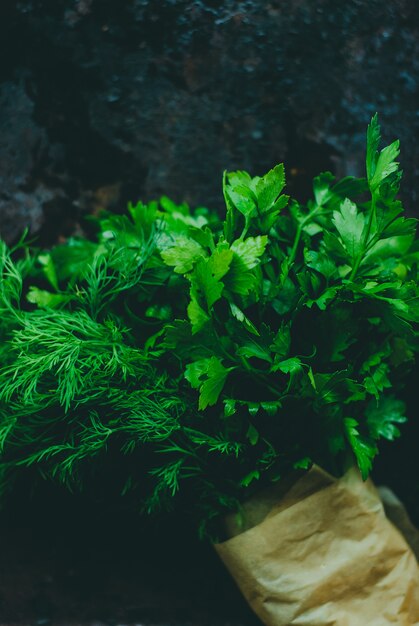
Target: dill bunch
[[78, 388]]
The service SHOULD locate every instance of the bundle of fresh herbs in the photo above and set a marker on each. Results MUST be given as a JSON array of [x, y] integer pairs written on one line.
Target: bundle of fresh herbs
[[77, 386], [220, 355]]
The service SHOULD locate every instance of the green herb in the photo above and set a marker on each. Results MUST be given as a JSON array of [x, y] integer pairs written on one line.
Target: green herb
[[218, 355], [299, 329], [76, 383]]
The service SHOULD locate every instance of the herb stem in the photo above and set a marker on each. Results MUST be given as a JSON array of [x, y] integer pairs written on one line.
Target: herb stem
[[274, 391], [365, 239], [261, 376], [296, 243], [294, 249]]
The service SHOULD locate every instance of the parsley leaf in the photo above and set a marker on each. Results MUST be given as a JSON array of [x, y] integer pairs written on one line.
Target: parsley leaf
[[209, 376], [350, 224], [364, 450]]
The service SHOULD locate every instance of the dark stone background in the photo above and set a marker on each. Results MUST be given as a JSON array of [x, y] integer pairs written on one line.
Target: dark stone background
[[102, 101]]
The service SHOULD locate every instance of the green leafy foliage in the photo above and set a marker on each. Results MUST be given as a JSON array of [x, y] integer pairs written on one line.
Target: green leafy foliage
[[350, 224], [291, 346], [218, 355], [76, 382], [210, 387]]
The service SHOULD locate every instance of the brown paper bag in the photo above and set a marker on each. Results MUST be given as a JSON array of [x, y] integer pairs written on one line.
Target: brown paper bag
[[397, 514], [324, 555]]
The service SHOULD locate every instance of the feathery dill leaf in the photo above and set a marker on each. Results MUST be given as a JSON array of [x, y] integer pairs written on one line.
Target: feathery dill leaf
[[76, 384]]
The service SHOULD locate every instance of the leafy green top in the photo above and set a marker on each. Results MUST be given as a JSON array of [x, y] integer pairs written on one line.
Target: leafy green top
[[232, 351], [300, 321]]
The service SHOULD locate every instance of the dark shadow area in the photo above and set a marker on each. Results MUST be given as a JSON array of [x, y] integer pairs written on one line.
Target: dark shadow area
[[70, 559]]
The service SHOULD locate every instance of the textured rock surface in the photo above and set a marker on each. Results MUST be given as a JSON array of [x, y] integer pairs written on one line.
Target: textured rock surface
[[112, 101]]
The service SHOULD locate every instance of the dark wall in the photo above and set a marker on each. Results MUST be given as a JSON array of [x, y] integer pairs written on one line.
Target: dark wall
[[102, 101]]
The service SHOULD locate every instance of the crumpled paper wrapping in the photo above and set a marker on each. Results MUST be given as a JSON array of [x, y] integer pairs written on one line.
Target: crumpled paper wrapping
[[323, 555], [397, 514]]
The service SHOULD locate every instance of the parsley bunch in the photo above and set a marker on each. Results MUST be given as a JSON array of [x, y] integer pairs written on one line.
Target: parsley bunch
[[217, 355], [299, 330]]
